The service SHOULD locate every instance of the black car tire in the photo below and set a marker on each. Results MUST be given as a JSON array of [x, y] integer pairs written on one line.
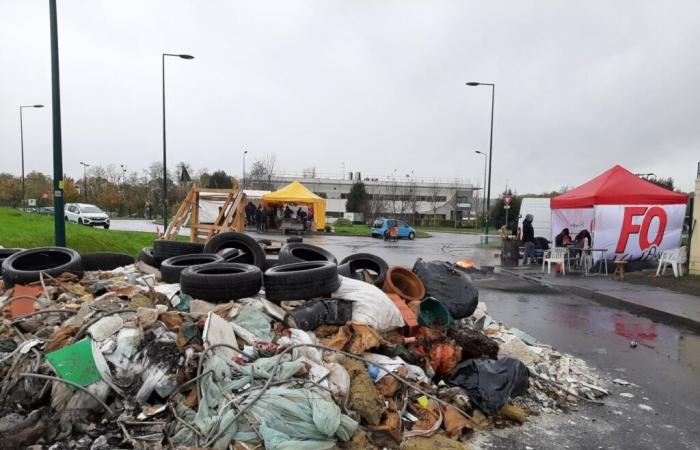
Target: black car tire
[[298, 252], [270, 263], [5, 252], [221, 282], [301, 280], [164, 248], [171, 268], [146, 255], [411, 236], [349, 266], [25, 266], [105, 261], [106, 227], [253, 252]]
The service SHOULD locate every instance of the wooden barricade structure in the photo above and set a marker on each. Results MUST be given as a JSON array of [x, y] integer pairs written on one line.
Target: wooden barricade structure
[[231, 215]]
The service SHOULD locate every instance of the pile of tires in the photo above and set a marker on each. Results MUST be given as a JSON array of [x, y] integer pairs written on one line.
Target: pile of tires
[[221, 281]]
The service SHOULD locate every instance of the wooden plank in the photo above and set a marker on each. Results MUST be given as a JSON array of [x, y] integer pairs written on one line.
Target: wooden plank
[[194, 214]]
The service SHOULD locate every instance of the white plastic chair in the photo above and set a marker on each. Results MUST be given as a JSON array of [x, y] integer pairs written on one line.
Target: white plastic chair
[[557, 255], [674, 258]]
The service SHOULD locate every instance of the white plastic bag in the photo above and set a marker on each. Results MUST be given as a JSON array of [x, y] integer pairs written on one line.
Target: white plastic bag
[[371, 305]]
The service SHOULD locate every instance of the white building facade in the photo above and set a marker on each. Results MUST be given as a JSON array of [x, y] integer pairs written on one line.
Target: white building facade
[[416, 200]]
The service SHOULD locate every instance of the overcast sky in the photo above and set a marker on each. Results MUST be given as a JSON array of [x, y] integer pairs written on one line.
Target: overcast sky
[[376, 85]]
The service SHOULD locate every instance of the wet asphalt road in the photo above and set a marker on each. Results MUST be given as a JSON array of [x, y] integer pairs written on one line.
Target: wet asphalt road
[[665, 367]]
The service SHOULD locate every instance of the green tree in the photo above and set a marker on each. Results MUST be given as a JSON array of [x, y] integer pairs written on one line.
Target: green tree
[[666, 183], [498, 213], [358, 200], [220, 180], [10, 190]]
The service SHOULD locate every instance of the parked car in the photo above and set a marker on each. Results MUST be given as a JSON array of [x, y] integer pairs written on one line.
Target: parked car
[[380, 228], [46, 210], [86, 214]]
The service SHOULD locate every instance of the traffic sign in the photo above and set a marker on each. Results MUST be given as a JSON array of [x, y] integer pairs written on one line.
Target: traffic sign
[[507, 199], [506, 206]]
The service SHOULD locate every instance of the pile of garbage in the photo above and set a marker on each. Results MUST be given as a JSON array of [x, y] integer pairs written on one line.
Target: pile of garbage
[[224, 346]]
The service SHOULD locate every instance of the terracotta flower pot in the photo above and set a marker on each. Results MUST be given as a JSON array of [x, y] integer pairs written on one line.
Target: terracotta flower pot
[[404, 283]]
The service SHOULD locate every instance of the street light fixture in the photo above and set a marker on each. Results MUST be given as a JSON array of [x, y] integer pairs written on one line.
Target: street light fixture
[[165, 165], [488, 195], [21, 139], [484, 184], [245, 152], [85, 166]]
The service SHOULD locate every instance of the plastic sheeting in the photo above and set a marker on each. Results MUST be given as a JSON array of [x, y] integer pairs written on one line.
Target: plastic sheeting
[[290, 419], [449, 286], [490, 384]]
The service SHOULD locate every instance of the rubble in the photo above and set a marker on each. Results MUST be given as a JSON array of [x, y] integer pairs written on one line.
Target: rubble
[[120, 359]]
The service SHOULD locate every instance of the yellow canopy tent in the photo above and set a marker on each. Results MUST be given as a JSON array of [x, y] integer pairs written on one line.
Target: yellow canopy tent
[[296, 192]]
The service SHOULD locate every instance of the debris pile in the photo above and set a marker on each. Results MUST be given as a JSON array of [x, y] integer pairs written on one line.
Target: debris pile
[[378, 357]]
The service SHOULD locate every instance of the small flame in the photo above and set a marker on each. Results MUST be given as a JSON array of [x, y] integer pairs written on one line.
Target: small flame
[[466, 264]]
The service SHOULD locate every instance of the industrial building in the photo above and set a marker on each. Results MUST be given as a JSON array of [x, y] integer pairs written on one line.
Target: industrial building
[[417, 200]]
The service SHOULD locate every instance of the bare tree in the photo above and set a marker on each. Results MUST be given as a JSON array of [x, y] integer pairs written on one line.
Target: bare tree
[[262, 171], [434, 198], [408, 200], [309, 172], [377, 203]]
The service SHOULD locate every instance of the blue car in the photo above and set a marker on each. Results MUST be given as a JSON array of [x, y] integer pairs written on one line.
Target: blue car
[[380, 228]]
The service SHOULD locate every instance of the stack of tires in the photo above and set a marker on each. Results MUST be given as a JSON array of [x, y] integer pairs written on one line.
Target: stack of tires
[[233, 265]]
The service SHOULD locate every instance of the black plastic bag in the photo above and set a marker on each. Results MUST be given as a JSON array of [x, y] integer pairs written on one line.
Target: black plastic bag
[[490, 384], [449, 286]]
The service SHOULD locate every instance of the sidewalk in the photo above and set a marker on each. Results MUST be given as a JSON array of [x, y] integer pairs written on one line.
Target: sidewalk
[[655, 303]]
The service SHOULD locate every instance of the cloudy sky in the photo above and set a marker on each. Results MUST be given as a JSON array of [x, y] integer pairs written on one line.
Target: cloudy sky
[[375, 85]]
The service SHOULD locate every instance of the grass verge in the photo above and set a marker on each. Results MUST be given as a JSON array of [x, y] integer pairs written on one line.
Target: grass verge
[[28, 230], [366, 231], [452, 230]]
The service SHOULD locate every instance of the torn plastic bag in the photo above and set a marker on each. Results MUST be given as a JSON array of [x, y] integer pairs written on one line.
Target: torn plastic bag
[[255, 322], [297, 337], [393, 364], [490, 384], [371, 305], [300, 419], [449, 286]]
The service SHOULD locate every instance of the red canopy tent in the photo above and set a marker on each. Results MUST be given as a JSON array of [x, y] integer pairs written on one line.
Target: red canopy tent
[[617, 186], [629, 216]]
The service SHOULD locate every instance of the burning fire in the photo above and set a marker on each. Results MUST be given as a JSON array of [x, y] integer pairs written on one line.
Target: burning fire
[[465, 264]]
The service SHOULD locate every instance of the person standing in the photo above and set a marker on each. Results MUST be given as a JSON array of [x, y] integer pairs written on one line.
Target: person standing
[[529, 240], [259, 218]]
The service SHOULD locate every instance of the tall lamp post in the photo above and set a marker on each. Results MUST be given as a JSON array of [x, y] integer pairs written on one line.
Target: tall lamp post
[[488, 195], [21, 140], [485, 161], [85, 166], [165, 159], [245, 152]]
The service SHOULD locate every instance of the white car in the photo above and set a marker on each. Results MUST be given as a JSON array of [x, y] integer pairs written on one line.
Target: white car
[[85, 214]]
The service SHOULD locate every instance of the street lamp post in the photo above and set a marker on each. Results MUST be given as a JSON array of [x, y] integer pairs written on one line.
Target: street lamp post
[[21, 140], [165, 165], [485, 161], [85, 166], [245, 152], [488, 195]]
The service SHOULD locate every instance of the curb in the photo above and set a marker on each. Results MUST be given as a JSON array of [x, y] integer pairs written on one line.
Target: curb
[[616, 302], [651, 313]]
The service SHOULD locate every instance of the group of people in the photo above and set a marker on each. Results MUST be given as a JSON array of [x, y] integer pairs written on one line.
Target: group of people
[[582, 240], [271, 217]]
